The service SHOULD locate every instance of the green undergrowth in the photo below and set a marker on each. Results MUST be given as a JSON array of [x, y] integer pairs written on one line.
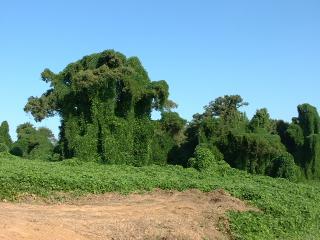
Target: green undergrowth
[[288, 210]]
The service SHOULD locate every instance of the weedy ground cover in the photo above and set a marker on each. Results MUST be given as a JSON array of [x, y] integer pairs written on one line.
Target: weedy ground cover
[[288, 210]]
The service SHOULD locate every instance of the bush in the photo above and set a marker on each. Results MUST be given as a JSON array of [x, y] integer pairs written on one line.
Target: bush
[[3, 148], [284, 167], [252, 152], [73, 162], [204, 158]]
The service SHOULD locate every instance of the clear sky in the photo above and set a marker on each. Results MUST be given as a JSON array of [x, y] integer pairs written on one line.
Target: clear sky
[[268, 51]]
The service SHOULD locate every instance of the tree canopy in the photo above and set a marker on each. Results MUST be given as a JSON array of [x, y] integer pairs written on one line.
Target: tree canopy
[[105, 102]]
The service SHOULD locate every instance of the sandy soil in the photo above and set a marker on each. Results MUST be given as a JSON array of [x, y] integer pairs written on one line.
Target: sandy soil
[[157, 215]]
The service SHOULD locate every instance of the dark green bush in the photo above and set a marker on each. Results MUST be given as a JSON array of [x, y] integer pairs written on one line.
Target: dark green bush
[[283, 166], [252, 152], [311, 157]]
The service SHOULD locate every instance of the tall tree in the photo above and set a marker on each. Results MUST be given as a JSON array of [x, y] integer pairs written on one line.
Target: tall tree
[[308, 119], [226, 109], [261, 122], [105, 102], [4, 134], [302, 139]]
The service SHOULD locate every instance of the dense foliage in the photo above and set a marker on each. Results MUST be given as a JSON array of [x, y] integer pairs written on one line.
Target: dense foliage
[[4, 134], [4, 148], [287, 210], [302, 139], [105, 102], [261, 145], [33, 143]]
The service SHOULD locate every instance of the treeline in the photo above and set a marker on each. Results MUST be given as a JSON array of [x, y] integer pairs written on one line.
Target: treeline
[[105, 102], [261, 145]]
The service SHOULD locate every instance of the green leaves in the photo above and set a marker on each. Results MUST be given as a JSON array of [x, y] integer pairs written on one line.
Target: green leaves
[[4, 134], [287, 210], [4, 148], [93, 93], [223, 106], [33, 143], [309, 119], [302, 139], [261, 122], [205, 159]]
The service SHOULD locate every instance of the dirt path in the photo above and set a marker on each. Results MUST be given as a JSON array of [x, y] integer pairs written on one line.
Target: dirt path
[[158, 215]]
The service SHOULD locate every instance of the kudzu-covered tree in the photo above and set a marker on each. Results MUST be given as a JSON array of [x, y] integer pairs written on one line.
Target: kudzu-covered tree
[[308, 119], [261, 122], [168, 135], [226, 110], [252, 152], [302, 140], [252, 145], [211, 127], [4, 134], [33, 143], [105, 102]]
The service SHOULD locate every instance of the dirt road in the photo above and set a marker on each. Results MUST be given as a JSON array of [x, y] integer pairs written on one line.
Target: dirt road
[[157, 215]]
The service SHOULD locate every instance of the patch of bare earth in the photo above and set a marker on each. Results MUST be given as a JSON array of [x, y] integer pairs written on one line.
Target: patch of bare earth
[[158, 215]]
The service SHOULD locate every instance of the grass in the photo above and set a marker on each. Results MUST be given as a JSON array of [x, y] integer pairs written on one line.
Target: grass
[[289, 210]]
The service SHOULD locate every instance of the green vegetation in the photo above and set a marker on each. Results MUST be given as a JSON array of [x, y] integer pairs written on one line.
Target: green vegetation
[[4, 134], [288, 210], [109, 142], [105, 102], [302, 138], [33, 143], [3, 148]]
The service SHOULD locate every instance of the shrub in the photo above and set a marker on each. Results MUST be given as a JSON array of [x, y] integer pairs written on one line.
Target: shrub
[[284, 167], [3, 148], [204, 158], [252, 152]]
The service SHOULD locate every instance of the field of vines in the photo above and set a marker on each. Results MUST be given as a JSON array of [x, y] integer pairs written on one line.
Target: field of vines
[[288, 210]]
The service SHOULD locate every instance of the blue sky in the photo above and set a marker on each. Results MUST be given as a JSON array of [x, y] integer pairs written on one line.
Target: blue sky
[[267, 51]]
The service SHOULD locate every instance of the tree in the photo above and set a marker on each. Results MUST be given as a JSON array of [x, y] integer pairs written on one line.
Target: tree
[[302, 140], [252, 152], [105, 102], [168, 134], [261, 122], [172, 123], [4, 134], [226, 109], [219, 118], [224, 106], [33, 143], [308, 119], [284, 167]]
